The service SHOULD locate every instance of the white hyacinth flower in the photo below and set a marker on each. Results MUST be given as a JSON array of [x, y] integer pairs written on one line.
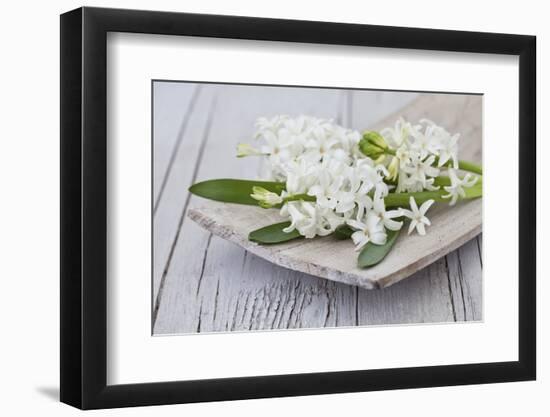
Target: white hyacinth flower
[[369, 230], [320, 145], [264, 124], [307, 138], [444, 145], [277, 146], [328, 221], [310, 220], [386, 217], [326, 191], [425, 143], [419, 170], [302, 218], [448, 150], [300, 176], [456, 189], [399, 134], [372, 177], [418, 216], [404, 154], [353, 196]]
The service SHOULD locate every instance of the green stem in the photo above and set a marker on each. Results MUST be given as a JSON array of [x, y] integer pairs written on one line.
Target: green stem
[[402, 199], [295, 197], [299, 197], [468, 166], [463, 165]]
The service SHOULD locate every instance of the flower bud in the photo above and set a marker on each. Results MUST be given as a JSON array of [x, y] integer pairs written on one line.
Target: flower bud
[[265, 198], [244, 149], [393, 169], [373, 144], [372, 151]]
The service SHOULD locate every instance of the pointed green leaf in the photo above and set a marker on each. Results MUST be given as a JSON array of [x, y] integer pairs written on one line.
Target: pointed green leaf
[[372, 254], [273, 234], [233, 191]]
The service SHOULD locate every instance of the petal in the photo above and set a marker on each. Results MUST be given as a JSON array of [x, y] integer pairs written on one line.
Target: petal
[[471, 181], [443, 158], [424, 207], [432, 172], [293, 211], [309, 208], [379, 238], [430, 160], [373, 222], [356, 224], [315, 190], [413, 205], [358, 237], [454, 199], [421, 229], [412, 226], [378, 205], [452, 176], [392, 224], [393, 214], [290, 228], [407, 213]]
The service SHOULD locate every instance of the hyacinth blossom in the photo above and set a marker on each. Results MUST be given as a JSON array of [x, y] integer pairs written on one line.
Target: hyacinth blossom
[[327, 179]]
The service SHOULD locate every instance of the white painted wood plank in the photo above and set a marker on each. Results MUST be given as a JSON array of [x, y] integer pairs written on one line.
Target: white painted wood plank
[[422, 298], [172, 205], [231, 290], [465, 271], [368, 107], [172, 105]]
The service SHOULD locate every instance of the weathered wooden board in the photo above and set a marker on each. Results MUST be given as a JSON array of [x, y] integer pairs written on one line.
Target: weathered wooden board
[[205, 283], [336, 260], [172, 106]]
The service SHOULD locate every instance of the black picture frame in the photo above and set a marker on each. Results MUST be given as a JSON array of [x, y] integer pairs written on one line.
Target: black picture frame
[[84, 207]]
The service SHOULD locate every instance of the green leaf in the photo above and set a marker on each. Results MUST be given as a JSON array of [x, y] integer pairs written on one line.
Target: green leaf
[[273, 234], [372, 254], [233, 191], [343, 232]]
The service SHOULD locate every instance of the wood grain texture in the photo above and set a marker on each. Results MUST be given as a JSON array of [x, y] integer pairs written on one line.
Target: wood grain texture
[[169, 213], [172, 106], [336, 259], [204, 283]]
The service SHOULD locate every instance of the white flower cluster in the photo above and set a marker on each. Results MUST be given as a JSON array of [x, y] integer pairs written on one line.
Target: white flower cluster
[[321, 161], [305, 140], [330, 182], [421, 151]]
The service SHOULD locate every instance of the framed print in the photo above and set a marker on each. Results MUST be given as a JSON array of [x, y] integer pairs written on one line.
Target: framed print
[[255, 208]]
